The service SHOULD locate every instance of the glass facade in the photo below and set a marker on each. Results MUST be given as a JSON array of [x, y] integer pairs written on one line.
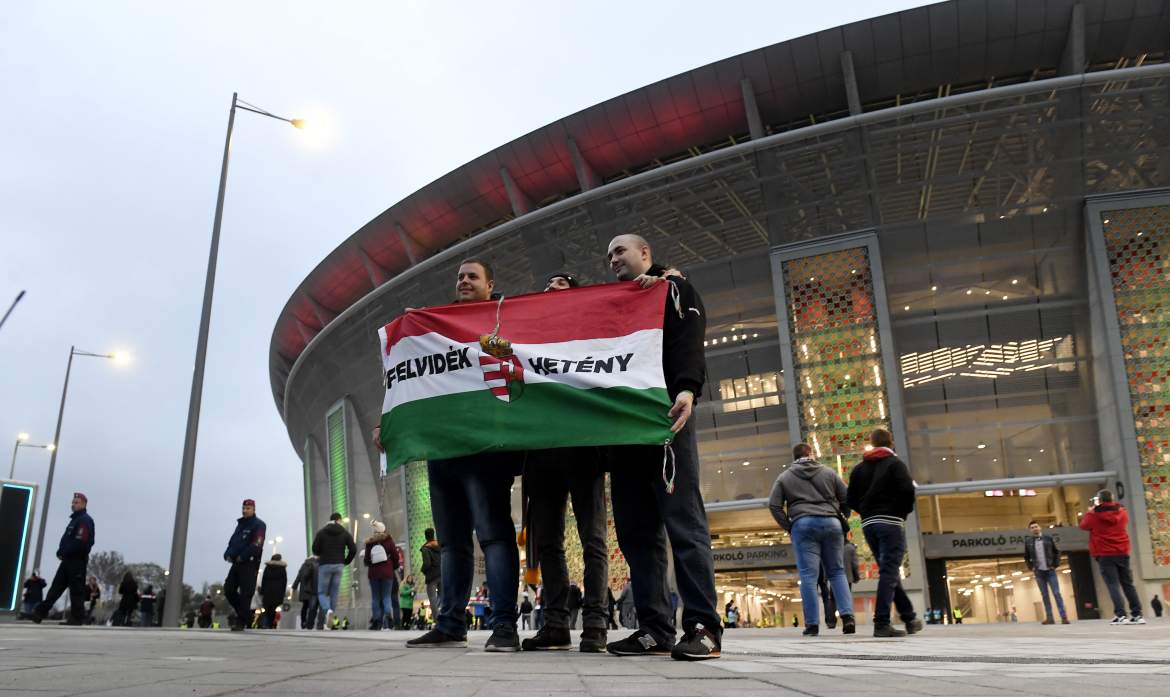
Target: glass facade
[[991, 326]]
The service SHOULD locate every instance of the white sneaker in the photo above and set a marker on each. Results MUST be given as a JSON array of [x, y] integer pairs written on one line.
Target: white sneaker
[[1137, 619], [1120, 619], [329, 619]]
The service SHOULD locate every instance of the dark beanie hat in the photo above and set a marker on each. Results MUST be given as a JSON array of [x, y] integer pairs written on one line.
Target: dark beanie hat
[[573, 283]]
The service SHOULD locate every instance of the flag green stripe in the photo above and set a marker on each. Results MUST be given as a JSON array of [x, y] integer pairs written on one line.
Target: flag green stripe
[[542, 415]]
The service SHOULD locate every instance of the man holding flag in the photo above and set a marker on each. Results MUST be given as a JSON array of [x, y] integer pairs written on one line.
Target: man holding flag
[[469, 493], [656, 492]]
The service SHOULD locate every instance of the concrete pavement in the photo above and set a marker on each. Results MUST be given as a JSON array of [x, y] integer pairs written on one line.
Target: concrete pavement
[[956, 661]]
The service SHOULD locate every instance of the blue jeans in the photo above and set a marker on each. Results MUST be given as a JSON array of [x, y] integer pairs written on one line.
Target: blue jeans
[[1047, 579], [818, 540], [328, 586], [474, 493], [381, 611], [888, 544]]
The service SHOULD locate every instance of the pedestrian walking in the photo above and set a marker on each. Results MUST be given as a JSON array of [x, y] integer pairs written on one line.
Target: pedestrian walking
[[335, 549], [1043, 559], [526, 615], [574, 604], [206, 611], [432, 568], [882, 492], [244, 551], [381, 559], [73, 552], [626, 612], [808, 500], [1108, 525], [473, 495], [406, 601], [611, 608], [93, 593], [34, 593], [654, 501], [273, 585], [305, 585], [146, 606], [128, 589], [1156, 606]]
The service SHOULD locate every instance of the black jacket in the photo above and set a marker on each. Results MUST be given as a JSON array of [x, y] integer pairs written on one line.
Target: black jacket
[[432, 562], [881, 486], [273, 582], [684, 363], [576, 598], [128, 588], [306, 580], [334, 545], [34, 589], [1050, 552], [77, 539]]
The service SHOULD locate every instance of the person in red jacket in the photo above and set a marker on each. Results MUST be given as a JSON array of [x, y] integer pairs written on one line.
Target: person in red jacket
[[1108, 525]]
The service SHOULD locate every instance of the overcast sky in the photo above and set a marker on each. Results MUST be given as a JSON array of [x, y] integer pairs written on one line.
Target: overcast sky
[[110, 143]]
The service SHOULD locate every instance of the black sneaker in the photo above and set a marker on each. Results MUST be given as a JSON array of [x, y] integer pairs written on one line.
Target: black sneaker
[[593, 640], [811, 630], [913, 626], [237, 625], [504, 639], [37, 615], [699, 644], [640, 643], [549, 639], [885, 631], [436, 639], [848, 624]]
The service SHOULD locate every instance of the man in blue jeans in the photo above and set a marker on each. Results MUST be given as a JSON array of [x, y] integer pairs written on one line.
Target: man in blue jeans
[[1043, 558], [474, 494], [882, 491], [335, 549], [808, 501]]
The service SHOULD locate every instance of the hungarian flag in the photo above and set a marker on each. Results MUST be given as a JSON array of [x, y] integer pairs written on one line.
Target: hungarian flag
[[546, 370]]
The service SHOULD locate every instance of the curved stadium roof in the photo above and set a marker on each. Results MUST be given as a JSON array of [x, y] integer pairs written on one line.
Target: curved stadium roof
[[918, 54]]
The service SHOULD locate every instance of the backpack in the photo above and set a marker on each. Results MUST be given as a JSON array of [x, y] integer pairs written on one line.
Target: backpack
[[378, 554]]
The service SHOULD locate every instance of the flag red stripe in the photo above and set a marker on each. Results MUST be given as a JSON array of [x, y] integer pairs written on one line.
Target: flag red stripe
[[592, 312]]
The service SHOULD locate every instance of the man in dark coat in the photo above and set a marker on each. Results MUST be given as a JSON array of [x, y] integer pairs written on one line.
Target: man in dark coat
[[306, 585], [34, 593], [73, 551], [335, 549], [650, 507], [272, 587], [244, 551]]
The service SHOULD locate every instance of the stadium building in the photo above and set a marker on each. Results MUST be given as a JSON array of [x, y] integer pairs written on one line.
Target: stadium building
[[953, 221]]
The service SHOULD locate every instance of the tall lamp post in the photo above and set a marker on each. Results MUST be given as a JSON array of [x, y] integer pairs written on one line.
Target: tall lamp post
[[187, 472], [117, 358], [22, 442]]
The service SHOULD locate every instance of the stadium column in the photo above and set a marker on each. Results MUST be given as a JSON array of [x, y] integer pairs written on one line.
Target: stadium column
[[1127, 238], [860, 136], [837, 354]]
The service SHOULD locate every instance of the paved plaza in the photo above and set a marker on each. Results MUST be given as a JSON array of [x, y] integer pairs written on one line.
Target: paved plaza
[[1084, 658]]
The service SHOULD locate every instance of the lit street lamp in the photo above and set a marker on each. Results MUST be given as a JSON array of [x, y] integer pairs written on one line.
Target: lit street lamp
[[187, 471], [119, 357], [22, 442]]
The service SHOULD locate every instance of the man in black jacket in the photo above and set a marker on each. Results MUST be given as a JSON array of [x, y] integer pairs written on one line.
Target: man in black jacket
[[432, 570], [335, 549], [73, 551], [305, 585], [244, 549], [882, 491], [650, 505], [1043, 558]]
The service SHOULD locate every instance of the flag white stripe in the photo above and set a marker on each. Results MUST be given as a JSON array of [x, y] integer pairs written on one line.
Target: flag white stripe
[[643, 370]]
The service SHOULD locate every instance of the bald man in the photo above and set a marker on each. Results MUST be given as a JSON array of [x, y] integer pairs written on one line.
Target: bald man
[[646, 512]]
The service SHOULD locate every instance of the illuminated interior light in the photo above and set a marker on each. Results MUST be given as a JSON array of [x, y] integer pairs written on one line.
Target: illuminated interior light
[[987, 292], [969, 291], [934, 288], [981, 446], [1004, 297], [1015, 281], [906, 307]]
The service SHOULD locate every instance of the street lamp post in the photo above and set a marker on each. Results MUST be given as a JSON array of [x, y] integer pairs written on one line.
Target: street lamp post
[[22, 442], [187, 472], [119, 357]]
